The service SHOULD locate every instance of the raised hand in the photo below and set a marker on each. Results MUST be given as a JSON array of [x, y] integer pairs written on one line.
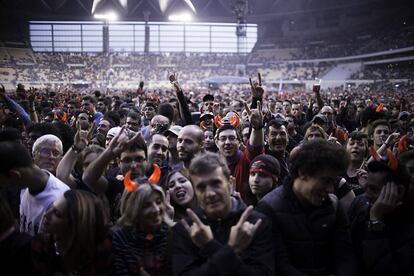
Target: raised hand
[[173, 80], [316, 88], [172, 77], [2, 91], [386, 202], [121, 142], [241, 235], [31, 94], [257, 89], [255, 115], [168, 207], [392, 139], [199, 233], [362, 177], [80, 140]]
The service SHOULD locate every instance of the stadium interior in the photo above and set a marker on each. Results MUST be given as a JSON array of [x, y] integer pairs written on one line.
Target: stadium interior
[[292, 43]]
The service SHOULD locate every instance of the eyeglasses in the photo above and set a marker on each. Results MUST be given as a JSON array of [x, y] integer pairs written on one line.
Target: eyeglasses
[[136, 160], [47, 152], [230, 138]]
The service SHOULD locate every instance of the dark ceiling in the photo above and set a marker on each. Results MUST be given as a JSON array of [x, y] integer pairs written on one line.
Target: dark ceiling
[[215, 10]]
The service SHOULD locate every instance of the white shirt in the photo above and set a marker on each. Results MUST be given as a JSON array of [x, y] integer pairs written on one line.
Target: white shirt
[[33, 207]]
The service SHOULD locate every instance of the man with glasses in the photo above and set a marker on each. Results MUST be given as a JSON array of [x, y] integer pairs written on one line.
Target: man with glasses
[[130, 152], [47, 152], [228, 143]]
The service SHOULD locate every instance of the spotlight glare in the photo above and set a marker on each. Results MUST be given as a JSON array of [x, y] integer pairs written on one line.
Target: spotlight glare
[[182, 17], [110, 16]]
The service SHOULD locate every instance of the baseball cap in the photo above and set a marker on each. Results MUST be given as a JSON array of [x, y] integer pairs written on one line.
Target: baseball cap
[[320, 118], [175, 129]]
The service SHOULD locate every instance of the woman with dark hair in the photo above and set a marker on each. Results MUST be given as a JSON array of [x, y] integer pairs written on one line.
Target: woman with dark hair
[[141, 234], [74, 237], [181, 192]]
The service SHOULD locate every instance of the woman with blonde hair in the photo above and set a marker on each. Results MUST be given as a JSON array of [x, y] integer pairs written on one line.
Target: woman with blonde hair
[[140, 236], [74, 237]]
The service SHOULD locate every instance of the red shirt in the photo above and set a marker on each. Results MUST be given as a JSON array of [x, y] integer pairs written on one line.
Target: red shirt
[[240, 170]]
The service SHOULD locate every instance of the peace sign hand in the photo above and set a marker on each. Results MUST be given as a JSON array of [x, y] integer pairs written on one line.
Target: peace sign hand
[[199, 233], [241, 235], [255, 115], [257, 89]]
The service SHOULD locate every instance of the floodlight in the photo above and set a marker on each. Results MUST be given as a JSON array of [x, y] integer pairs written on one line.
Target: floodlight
[[110, 16], [182, 17]]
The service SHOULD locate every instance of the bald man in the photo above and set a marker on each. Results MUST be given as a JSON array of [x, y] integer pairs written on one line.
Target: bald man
[[190, 141]]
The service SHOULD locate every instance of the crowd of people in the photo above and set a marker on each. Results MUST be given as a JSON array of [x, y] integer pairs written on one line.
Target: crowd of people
[[121, 70], [237, 182], [385, 71], [349, 42]]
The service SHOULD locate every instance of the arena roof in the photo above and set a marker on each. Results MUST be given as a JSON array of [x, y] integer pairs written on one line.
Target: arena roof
[[207, 10]]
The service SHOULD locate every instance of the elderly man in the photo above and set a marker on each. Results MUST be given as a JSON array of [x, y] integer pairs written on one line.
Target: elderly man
[[47, 152]]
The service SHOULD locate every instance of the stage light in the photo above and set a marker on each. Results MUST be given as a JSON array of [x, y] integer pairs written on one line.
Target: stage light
[[110, 16], [182, 17]]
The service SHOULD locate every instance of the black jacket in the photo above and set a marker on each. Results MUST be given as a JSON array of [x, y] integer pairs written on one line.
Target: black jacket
[[218, 258], [308, 241], [388, 251]]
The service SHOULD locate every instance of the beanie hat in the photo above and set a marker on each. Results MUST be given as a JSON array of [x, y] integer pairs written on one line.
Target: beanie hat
[[265, 164]]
